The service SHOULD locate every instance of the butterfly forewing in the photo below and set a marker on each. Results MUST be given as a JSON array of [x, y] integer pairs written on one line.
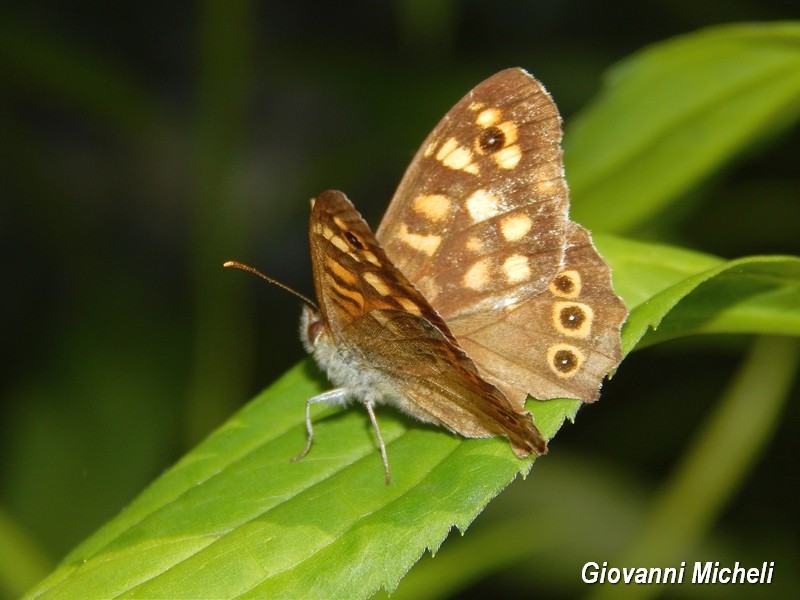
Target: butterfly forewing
[[352, 275], [398, 343], [480, 216]]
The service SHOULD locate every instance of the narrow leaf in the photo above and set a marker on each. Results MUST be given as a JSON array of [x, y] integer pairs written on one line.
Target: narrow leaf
[[674, 113], [236, 517]]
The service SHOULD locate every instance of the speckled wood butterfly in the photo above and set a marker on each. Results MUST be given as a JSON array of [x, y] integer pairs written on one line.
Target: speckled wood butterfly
[[477, 290]]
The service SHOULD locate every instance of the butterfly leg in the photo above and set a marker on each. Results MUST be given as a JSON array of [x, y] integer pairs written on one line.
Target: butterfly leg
[[337, 396], [380, 440]]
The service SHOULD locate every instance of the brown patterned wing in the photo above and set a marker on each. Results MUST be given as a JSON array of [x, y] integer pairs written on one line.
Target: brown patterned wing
[[352, 275], [479, 224], [479, 218], [560, 343], [382, 323], [437, 383]]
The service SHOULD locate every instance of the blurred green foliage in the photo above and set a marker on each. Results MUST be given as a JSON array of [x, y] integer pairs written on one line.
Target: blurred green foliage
[[143, 145]]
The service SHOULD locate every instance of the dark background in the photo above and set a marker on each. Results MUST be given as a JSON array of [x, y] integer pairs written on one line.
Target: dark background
[[145, 143]]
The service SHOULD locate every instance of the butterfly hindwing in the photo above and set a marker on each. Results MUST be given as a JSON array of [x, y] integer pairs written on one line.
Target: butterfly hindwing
[[560, 343], [479, 218]]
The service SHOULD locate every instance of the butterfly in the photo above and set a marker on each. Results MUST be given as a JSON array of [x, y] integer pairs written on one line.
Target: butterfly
[[476, 291]]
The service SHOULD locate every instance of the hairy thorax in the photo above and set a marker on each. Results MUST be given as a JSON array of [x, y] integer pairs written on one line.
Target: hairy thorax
[[344, 368], [353, 372]]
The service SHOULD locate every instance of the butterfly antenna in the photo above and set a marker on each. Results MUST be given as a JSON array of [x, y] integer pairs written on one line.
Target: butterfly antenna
[[254, 271]]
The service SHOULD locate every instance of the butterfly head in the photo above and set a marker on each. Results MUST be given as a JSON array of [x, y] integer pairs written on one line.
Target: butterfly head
[[315, 333], [312, 329]]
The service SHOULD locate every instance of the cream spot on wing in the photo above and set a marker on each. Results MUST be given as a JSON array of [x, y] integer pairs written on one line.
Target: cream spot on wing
[[488, 117], [377, 282], [477, 276], [510, 130], [337, 241], [409, 305], [566, 284], [424, 243], [428, 288], [516, 227], [456, 157], [383, 318], [327, 232], [517, 268], [474, 244], [573, 318], [508, 157], [550, 171], [547, 187], [341, 272], [476, 106], [433, 206], [429, 150], [446, 148], [337, 287], [564, 360], [350, 293], [340, 223], [370, 256], [482, 205]]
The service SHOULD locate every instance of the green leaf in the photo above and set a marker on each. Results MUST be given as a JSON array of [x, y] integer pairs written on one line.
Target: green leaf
[[625, 524], [701, 293], [22, 560], [236, 517], [674, 113]]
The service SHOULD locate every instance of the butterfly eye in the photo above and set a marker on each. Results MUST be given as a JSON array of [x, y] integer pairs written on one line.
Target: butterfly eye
[[354, 241], [492, 139], [314, 330]]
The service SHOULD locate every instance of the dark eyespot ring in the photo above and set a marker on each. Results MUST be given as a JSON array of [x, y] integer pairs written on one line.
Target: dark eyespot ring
[[565, 284], [492, 139], [572, 317], [354, 241], [565, 361]]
